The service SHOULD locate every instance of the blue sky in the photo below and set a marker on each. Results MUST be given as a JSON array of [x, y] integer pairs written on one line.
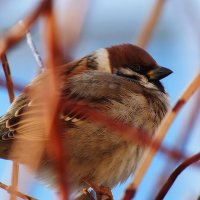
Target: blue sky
[[174, 44]]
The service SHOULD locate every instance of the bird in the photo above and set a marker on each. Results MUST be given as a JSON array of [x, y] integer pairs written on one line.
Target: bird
[[121, 81]]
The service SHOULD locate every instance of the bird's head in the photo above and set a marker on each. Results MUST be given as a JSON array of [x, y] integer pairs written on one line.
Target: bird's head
[[133, 63]]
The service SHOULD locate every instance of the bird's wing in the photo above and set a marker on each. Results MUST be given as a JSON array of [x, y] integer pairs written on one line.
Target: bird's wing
[[22, 120], [25, 119]]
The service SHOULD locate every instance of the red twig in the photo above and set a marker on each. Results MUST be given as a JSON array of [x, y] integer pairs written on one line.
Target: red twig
[[150, 24], [131, 133], [17, 87], [185, 135], [18, 194], [9, 82], [55, 146], [16, 33], [165, 188], [160, 134]]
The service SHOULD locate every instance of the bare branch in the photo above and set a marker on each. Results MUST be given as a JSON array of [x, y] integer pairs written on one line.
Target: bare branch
[[9, 82], [14, 180], [149, 26], [17, 86], [130, 133], [55, 146], [160, 134], [184, 137], [167, 185], [18, 194], [17, 32], [32, 46]]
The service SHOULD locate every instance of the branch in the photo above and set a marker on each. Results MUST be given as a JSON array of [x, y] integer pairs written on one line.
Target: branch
[[130, 133], [148, 28], [159, 136], [52, 107], [18, 194], [17, 86], [17, 32], [9, 82], [183, 139], [167, 185], [32, 47]]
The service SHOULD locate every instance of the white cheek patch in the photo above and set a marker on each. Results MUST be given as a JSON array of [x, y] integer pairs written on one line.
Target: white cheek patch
[[127, 71], [144, 81], [102, 58]]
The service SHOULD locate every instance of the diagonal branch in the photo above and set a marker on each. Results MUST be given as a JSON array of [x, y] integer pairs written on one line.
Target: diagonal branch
[[130, 133], [32, 47], [167, 185], [149, 26], [17, 86], [159, 136], [17, 32], [16, 193]]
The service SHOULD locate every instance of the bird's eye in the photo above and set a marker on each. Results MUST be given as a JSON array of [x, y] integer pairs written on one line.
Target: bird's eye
[[135, 67]]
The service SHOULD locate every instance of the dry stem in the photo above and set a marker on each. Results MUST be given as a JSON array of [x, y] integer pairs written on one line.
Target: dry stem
[[183, 139], [32, 47], [9, 82], [17, 87], [130, 133], [16, 33], [16, 193], [149, 26], [160, 134], [55, 146], [167, 185]]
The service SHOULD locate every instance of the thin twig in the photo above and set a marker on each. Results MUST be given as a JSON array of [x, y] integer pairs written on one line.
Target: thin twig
[[167, 185], [149, 26], [16, 33], [32, 47], [17, 86], [9, 82], [183, 139], [160, 134], [130, 133], [55, 146], [18, 194], [14, 180]]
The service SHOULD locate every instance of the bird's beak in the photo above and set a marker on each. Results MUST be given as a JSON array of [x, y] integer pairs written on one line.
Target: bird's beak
[[159, 73]]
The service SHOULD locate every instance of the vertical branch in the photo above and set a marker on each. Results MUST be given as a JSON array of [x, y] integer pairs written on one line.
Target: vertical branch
[[149, 26], [53, 107], [9, 83], [14, 180], [11, 38]]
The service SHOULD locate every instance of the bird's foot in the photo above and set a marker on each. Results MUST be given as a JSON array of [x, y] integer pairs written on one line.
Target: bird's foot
[[102, 192]]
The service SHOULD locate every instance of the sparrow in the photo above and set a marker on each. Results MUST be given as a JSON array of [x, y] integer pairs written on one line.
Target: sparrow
[[121, 81]]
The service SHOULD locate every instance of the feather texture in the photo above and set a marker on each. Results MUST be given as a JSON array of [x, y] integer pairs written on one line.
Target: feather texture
[[109, 80]]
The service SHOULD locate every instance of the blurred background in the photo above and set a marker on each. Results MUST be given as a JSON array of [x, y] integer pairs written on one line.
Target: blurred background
[[175, 43]]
